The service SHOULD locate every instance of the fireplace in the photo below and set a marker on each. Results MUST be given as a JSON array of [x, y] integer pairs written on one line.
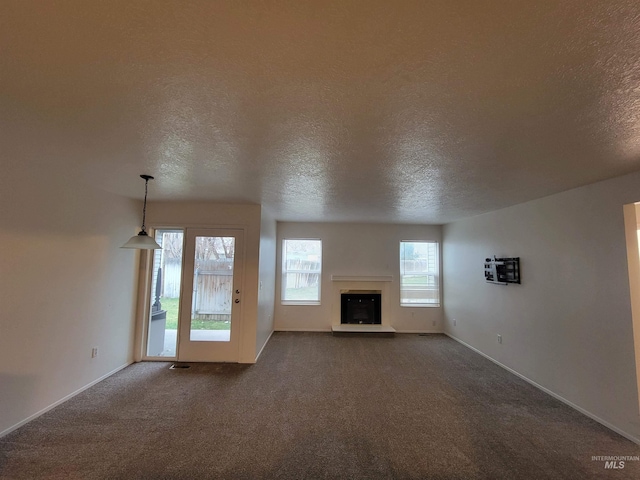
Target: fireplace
[[361, 308]]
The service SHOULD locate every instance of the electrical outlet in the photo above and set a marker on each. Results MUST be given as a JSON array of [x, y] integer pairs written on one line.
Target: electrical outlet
[[94, 352], [454, 322], [434, 323], [499, 338]]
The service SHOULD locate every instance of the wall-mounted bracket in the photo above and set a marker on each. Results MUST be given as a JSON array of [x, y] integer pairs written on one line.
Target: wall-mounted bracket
[[502, 271]]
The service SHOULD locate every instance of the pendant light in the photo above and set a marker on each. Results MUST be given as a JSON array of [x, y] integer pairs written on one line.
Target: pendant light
[[143, 241]]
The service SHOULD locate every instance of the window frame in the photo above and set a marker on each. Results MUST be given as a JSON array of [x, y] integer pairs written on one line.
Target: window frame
[[433, 273], [284, 272]]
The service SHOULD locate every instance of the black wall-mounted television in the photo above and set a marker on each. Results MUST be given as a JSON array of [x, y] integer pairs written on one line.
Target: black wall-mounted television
[[502, 271]]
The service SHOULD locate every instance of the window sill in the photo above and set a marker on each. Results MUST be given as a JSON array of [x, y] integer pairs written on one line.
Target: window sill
[[421, 305]]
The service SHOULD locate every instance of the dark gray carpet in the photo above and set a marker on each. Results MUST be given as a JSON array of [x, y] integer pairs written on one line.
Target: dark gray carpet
[[317, 406]]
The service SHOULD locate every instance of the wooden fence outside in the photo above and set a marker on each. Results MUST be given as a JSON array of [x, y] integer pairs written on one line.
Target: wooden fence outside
[[302, 273], [213, 287], [171, 277], [213, 294]]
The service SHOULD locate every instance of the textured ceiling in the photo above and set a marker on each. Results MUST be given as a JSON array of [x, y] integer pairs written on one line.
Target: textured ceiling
[[376, 110]]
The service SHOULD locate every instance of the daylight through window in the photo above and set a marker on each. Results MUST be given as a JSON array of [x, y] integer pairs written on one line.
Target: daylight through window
[[419, 274], [301, 271]]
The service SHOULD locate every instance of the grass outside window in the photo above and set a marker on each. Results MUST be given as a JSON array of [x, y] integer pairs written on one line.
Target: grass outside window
[[171, 305]]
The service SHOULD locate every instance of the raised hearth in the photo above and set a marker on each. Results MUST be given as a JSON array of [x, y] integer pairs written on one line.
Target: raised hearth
[[363, 330]]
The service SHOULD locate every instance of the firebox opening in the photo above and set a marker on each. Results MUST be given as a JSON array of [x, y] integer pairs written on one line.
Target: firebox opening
[[361, 308]]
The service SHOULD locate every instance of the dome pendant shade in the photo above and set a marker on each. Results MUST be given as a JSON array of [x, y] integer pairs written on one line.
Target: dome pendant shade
[[143, 241]]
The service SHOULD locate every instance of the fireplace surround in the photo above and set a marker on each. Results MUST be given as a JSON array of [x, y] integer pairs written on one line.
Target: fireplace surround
[[341, 284]]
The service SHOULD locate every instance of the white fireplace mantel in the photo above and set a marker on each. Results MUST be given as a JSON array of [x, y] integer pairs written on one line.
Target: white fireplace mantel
[[362, 278]]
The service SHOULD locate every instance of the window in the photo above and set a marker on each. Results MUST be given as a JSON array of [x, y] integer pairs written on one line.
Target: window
[[301, 271], [419, 278]]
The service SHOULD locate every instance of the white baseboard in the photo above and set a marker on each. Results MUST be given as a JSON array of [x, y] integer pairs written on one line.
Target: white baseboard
[[62, 400], [327, 330], [549, 392], [430, 332]]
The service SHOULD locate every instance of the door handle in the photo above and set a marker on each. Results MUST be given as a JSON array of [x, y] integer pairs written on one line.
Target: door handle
[[237, 300]]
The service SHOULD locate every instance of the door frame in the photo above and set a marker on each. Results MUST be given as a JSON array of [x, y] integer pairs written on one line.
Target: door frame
[[230, 354], [143, 302]]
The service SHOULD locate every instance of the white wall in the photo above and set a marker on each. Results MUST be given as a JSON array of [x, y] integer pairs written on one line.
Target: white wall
[[568, 327], [206, 214], [356, 250], [267, 280], [65, 287]]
